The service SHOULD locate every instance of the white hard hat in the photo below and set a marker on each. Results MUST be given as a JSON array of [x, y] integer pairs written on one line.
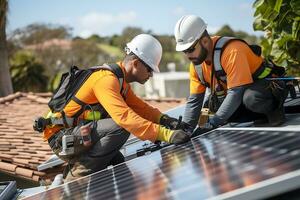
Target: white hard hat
[[147, 48], [188, 29]]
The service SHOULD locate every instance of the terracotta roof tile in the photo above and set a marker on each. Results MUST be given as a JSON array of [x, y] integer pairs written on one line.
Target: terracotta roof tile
[[20, 161], [7, 167], [24, 172], [24, 157], [39, 173], [35, 178], [5, 156], [22, 149]]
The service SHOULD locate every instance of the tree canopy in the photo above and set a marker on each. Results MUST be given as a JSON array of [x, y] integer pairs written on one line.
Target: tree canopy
[[28, 44], [280, 19], [38, 33]]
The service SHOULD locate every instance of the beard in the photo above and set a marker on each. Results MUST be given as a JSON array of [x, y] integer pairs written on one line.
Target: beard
[[201, 57]]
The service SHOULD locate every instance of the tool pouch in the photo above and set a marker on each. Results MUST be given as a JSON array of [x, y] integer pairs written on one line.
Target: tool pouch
[[73, 148], [279, 91]]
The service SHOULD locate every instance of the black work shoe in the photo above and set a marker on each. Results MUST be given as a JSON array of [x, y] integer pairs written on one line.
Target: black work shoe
[[276, 117]]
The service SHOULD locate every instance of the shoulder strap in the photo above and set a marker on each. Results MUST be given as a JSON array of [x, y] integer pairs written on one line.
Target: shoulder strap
[[198, 69], [219, 46], [114, 68]]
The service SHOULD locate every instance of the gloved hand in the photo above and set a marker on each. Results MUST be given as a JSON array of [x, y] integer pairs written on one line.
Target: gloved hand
[[186, 127], [175, 124], [172, 136], [179, 137], [169, 122]]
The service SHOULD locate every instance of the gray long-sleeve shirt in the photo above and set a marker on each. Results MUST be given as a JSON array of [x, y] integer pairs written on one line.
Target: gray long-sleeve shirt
[[230, 104]]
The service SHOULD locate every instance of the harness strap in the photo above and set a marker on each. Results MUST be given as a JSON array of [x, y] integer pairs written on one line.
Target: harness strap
[[263, 70], [65, 120], [81, 103], [199, 72], [116, 70], [220, 44]]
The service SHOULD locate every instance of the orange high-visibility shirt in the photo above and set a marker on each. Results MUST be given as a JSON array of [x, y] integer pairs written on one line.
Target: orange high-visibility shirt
[[237, 60], [131, 113]]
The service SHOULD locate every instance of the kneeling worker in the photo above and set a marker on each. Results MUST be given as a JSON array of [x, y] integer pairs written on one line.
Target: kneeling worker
[[117, 113], [234, 72]]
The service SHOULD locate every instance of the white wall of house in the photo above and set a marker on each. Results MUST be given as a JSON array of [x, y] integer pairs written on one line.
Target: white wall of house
[[165, 84]]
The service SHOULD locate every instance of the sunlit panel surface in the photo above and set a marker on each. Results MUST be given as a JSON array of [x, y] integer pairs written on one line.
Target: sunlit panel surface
[[221, 164]]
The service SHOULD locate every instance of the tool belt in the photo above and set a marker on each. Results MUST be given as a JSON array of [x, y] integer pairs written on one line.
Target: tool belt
[[67, 143], [268, 69]]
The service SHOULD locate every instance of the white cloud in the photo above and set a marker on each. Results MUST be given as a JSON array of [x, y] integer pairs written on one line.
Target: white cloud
[[104, 23], [178, 11]]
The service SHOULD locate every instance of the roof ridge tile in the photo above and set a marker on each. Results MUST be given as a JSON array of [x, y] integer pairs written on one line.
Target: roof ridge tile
[[10, 97]]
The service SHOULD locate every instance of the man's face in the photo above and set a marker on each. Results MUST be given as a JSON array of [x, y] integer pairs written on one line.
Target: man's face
[[142, 71], [197, 53]]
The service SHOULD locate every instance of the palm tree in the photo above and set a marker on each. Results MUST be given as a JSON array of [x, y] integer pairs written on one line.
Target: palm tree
[[5, 79]]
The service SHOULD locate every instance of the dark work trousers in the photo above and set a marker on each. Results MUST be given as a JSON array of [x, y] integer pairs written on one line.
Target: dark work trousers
[[260, 100], [108, 138]]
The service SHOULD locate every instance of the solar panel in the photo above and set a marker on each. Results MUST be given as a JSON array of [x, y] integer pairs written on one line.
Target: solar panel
[[221, 164]]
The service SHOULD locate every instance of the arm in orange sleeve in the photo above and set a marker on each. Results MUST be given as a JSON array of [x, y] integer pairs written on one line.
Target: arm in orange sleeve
[[107, 91], [142, 108]]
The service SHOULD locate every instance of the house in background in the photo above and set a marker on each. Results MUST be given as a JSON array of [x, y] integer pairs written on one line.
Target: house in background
[[171, 84], [164, 85]]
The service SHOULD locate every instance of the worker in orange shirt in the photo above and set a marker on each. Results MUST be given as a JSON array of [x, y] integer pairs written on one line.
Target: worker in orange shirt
[[235, 74], [118, 113]]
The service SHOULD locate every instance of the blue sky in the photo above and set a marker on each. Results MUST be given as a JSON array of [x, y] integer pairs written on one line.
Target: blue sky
[[111, 17]]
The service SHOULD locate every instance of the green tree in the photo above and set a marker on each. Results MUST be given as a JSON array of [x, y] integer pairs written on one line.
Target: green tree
[[170, 55], [280, 20], [85, 53], [127, 34], [226, 31], [27, 73], [39, 33], [167, 42], [96, 39], [54, 59], [5, 79]]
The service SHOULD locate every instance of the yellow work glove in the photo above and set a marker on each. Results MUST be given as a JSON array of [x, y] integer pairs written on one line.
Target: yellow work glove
[[172, 136]]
